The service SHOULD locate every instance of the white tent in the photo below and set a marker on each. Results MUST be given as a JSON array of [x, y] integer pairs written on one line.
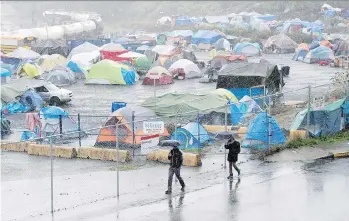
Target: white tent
[[191, 70], [85, 47], [23, 53], [112, 47], [132, 54], [164, 49]]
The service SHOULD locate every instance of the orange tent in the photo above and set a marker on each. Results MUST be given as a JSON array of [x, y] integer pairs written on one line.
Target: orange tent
[[123, 117], [303, 46], [326, 43]]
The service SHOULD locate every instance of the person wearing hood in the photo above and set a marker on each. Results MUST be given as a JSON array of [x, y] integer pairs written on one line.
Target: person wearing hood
[[234, 149], [176, 160]]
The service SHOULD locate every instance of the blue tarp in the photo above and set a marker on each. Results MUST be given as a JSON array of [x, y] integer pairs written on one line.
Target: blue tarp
[[190, 134], [74, 67], [237, 111], [13, 108], [28, 135], [5, 72], [300, 55], [254, 92], [15, 62], [314, 45], [258, 130], [129, 76], [182, 20], [53, 112], [205, 37], [321, 53], [35, 97]]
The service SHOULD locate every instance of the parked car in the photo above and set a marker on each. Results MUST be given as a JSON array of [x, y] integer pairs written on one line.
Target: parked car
[[53, 94]]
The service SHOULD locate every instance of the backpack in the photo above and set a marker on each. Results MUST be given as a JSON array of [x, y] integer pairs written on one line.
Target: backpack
[[237, 148], [176, 158]]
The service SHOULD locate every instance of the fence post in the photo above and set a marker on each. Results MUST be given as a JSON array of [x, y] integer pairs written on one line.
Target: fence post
[[133, 133], [308, 112], [79, 127], [51, 159], [226, 130], [60, 126], [117, 157]]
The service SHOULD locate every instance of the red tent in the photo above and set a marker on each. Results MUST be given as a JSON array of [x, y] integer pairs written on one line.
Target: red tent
[[112, 51]]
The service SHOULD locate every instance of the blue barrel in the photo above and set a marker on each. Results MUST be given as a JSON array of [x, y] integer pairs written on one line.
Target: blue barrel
[[117, 105]]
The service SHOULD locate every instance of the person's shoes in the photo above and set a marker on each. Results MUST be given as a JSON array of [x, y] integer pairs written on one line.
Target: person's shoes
[[168, 192], [239, 172], [230, 176], [183, 188]]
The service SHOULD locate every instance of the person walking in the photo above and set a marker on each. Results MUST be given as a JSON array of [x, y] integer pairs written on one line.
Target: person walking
[[176, 160], [234, 149]]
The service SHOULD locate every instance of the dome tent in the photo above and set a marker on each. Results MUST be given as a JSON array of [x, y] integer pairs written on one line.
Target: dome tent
[[158, 76], [48, 62], [247, 49], [192, 135], [110, 72], [189, 68], [61, 76]]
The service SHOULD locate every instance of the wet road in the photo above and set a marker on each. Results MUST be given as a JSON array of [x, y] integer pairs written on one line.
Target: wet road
[[266, 191]]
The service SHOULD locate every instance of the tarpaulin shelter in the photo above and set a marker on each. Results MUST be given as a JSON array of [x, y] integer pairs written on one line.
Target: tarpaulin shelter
[[128, 123], [61, 76], [321, 53], [47, 63], [5, 72], [220, 60], [247, 49], [142, 63], [340, 47], [182, 20], [326, 43], [325, 121], [242, 78], [174, 103], [158, 76], [23, 54], [31, 98], [185, 68], [110, 72], [192, 135], [206, 37], [189, 55], [51, 47], [222, 44], [280, 43], [83, 48], [257, 135]]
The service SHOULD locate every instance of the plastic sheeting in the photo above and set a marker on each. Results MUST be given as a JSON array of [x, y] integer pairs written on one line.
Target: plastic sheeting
[[206, 37]]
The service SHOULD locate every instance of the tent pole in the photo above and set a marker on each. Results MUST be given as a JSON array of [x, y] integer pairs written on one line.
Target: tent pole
[[308, 112]]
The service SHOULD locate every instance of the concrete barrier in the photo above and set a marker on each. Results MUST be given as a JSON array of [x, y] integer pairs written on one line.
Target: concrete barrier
[[18, 147], [103, 154], [58, 151], [189, 159]]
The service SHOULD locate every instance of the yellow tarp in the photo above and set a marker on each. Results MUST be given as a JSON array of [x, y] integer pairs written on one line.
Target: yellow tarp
[[30, 70]]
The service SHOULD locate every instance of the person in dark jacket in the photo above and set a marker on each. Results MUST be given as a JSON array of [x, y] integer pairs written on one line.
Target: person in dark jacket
[[234, 149], [176, 160]]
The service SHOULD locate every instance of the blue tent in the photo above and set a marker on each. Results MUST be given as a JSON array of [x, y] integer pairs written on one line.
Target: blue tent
[[347, 14], [5, 72], [322, 122], [321, 53], [34, 97], [188, 136], [314, 45], [246, 48], [237, 111], [205, 37], [258, 131], [300, 55], [183, 20]]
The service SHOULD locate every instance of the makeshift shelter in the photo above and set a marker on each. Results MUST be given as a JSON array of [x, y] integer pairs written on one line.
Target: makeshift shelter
[[189, 55], [321, 53], [303, 46], [125, 117], [132, 55], [222, 44], [174, 103], [4, 75], [23, 54], [51, 47], [300, 54], [142, 64], [326, 121], [48, 62], [61, 76], [340, 47], [164, 61], [280, 43], [165, 50], [112, 51], [206, 37], [56, 121], [83, 48], [110, 72], [220, 60], [247, 49], [31, 99], [243, 78], [263, 130], [142, 49], [326, 43], [166, 20], [226, 94], [192, 135], [184, 68], [158, 76]]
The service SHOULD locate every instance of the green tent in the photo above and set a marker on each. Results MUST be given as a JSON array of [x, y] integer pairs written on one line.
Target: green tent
[[173, 103], [143, 64], [109, 72]]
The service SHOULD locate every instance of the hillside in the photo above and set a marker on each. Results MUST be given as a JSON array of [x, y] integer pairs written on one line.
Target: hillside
[[126, 15]]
